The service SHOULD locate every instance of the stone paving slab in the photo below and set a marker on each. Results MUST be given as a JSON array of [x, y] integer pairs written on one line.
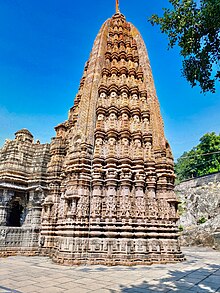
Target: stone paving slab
[[199, 273]]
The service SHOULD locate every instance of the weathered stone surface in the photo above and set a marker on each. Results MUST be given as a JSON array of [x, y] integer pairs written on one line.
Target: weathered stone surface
[[200, 202], [109, 183], [111, 197], [23, 186]]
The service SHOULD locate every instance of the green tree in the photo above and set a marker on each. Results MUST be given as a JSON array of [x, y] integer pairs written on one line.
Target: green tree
[[195, 27], [201, 160]]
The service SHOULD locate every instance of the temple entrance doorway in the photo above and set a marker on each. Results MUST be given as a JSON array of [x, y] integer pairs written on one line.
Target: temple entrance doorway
[[17, 210]]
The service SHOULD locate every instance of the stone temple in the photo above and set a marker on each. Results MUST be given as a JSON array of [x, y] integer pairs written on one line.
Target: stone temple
[[102, 192]]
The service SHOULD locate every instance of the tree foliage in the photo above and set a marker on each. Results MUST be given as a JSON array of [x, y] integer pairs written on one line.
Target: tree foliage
[[195, 28], [201, 160]]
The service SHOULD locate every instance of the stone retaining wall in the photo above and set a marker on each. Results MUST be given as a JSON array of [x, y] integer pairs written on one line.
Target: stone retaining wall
[[199, 210]]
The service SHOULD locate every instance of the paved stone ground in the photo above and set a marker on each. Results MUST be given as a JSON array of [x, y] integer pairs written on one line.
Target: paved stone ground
[[199, 273]]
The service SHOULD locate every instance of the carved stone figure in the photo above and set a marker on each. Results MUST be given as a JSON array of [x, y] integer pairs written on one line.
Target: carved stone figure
[[112, 121], [111, 147], [146, 125], [124, 122], [134, 101], [135, 123], [125, 149]]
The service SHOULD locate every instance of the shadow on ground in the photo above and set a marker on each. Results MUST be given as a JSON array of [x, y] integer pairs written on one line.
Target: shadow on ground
[[8, 290], [195, 280]]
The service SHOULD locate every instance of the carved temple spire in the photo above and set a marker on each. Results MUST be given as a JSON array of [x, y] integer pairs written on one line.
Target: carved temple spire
[[111, 174]]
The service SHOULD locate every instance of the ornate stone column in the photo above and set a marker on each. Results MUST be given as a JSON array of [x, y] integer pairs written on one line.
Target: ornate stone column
[[140, 203], [125, 207], [3, 214], [110, 197], [96, 197]]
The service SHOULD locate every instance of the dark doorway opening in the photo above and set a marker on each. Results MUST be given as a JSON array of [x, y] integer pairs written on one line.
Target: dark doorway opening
[[15, 214]]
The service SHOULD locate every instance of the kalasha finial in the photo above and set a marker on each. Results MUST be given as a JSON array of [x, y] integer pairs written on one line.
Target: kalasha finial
[[117, 6]]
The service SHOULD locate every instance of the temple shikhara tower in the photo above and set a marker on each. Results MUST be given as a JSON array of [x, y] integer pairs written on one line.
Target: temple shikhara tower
[[108, 196]]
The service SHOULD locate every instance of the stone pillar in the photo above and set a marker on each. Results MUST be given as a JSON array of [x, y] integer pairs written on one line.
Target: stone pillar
[[3, 215], [111, 199], [36, 215], [6, 197], [95, 208], [96, 197], [125, 211], [140, 204], [151, 186]]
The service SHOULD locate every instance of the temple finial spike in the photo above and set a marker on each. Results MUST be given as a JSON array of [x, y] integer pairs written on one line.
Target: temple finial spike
[[117, 6]]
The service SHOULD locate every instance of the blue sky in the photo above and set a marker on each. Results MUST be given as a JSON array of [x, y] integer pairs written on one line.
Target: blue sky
[[44, 45]]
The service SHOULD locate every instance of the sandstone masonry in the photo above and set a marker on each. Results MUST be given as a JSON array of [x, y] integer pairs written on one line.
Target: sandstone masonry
[[107, 194], [23, 185]]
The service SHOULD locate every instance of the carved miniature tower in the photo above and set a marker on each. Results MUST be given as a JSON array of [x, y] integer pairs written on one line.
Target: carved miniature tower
[[111, 177]]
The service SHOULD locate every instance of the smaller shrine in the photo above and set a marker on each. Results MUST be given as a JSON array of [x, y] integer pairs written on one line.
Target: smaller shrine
[[23, 165]]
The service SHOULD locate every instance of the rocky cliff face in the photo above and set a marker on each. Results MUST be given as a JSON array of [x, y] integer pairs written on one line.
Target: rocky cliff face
[[199, 211]]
